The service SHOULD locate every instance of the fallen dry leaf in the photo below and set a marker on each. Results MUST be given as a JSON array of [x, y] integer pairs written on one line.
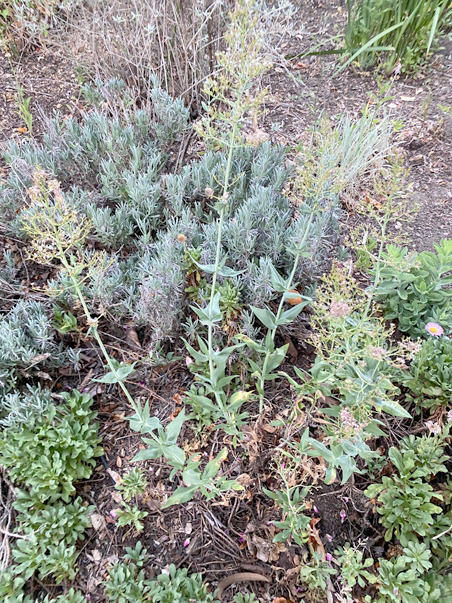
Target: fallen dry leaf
[[97, 521], [96, 555], [132, 338], [22, 130], [371, 201], [294, 301], [244, 577], [314, 538], [114, 475], [116, 496], [266, 550], [292, 350]]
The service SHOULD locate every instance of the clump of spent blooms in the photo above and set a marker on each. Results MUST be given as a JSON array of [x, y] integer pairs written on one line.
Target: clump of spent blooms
[[410, 348], [256, 137], [378, 353], [53, 225], [400, 363], [339, 309], [349, 423]]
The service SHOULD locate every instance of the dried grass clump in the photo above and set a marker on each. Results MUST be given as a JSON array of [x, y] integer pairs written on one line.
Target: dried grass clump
[[136, 40]]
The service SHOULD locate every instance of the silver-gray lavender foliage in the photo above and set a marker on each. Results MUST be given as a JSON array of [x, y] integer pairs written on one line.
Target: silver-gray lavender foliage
[[112, 167]]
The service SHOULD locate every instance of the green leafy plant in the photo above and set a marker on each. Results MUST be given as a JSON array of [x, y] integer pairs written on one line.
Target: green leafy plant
[[64, 322], [177, 586], [353, 566], [430, 374], [293, 524], [33, 556], [127, 583], [316, 573], [404, 578], [425, 454], [52, 522], [164, 443], [272, 357], [126, 580], [207, 482], [405, 499], [240, 65], [131, 516], [340, 455], [72, 596], [12, 588], [58, 450], [415, 289], [390, 33], [132, 484]]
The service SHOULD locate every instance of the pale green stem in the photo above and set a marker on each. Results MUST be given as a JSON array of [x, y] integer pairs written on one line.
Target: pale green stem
[[378, 268], [91, 322], [218, 250], [279, 313]]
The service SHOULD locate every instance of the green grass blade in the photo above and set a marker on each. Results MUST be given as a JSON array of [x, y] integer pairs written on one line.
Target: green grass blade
[[369, 44], [434, 27]]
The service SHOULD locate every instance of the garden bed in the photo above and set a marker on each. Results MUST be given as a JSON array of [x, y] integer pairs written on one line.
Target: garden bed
[[342, 366]]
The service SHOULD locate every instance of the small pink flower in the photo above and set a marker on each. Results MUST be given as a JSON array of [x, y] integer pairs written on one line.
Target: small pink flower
[[186, 542], [188, 361], [329, 538], [241, 539], [315, 509], [114, 514], [343, 515], [329, 557], [434, 329], [433, 427], [449, 416]]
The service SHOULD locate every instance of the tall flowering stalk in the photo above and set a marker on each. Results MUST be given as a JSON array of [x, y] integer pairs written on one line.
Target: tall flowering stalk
[[58, 232], [233, 102]]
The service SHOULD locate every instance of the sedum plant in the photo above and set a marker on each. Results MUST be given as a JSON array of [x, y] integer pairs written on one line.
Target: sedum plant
[[430, 375], [415, 289], [405, 499], [127, 583], [54, 522], [72, 596], [12, 588], [132, 484], [58, 450], [177, 586], [32, 556]]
